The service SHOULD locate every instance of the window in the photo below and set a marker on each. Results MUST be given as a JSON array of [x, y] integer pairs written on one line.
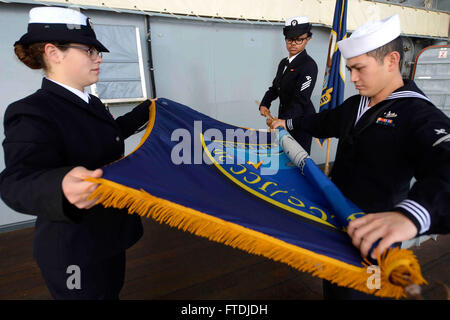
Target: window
[[122, 71]]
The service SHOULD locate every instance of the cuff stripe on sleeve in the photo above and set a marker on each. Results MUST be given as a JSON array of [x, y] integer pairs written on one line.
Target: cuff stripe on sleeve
[[419, 212]]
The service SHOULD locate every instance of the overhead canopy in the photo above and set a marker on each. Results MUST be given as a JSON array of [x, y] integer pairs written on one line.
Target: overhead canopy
[[414, 21]]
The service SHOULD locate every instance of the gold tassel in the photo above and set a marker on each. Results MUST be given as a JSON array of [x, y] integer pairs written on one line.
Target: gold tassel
[[398, 267], [401, 267]]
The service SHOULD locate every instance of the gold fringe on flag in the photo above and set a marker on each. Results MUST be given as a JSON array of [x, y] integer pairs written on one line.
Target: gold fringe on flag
[[398, 267]]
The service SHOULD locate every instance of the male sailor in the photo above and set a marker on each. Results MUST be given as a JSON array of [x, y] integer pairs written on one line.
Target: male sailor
[[388, 134]]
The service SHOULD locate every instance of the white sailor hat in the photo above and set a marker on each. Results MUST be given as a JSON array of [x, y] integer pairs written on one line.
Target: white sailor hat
[[62, 25], [370, 36], [296, 26]]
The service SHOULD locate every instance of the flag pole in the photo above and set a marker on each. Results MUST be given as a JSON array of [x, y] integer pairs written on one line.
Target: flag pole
[[334, 79], [326, 170], [269, 117]]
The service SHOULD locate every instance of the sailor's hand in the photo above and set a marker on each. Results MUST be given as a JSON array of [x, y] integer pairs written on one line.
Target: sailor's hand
[[263, 110], [77, 190], [278, 123], [390, 227]]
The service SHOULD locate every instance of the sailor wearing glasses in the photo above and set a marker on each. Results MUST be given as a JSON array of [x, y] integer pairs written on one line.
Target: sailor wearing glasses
[[54, 138], [295, 78]]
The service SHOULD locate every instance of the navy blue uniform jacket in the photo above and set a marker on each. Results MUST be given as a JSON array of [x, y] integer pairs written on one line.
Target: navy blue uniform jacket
[[377, 158], [294, 87], [47, 134]]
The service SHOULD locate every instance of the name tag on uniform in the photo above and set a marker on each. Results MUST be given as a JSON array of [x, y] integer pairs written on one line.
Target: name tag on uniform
[[386, 122]]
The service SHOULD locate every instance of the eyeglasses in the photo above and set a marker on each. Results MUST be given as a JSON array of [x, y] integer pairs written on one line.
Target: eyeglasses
[[296, 41], [91, 52]]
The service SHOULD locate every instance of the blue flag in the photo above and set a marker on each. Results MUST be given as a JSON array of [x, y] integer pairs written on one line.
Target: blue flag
[[238, 187], [334, 80]]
